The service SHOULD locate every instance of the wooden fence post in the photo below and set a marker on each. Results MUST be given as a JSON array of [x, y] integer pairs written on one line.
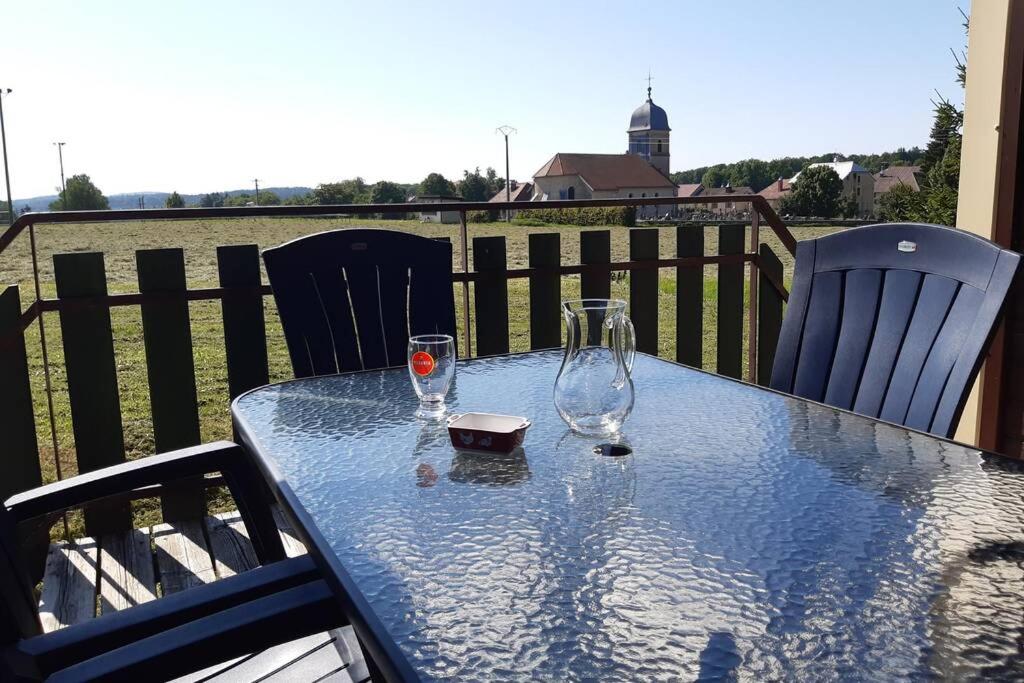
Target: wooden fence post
[[596, 249], [730, 302], [545, 291], [167, 334], [690, 297], [769, 313], [92, 378], [245, 331], [643, 289], [490, 295], [17, 421]]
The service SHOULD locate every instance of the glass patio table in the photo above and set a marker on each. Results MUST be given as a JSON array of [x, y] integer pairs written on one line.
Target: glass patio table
[[749, 533]]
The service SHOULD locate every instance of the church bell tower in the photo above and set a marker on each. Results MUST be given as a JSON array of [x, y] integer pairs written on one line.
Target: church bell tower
[[649, 133]]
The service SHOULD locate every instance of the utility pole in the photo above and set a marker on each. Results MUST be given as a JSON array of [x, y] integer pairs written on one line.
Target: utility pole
[[4, 92], [60, 157], [506, 131], [257, 181]]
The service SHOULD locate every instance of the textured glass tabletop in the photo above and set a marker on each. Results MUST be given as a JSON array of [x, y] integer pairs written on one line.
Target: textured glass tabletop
[[749, 534]]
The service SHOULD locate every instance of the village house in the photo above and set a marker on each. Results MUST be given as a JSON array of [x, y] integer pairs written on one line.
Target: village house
[[858, 183], [516, 192], [888, 178], [775, 192]]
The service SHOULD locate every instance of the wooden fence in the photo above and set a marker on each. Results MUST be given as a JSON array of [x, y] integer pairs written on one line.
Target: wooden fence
[[83, 306]]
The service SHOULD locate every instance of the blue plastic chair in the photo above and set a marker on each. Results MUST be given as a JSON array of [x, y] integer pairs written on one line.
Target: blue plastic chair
[[350, 299], [893, 321]]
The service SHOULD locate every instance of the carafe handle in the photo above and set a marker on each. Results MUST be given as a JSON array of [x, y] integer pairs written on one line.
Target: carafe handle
[[628, 343]]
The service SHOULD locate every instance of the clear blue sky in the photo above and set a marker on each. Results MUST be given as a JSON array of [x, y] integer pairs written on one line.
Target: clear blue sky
[[201, 96]]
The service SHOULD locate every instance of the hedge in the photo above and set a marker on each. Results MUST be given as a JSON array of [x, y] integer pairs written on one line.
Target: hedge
[[614, 215]]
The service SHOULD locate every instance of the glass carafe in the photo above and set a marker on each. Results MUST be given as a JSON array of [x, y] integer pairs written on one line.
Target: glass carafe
[[594, 391]]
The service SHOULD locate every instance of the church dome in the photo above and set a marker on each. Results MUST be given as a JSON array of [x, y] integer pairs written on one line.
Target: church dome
[[648, 116]]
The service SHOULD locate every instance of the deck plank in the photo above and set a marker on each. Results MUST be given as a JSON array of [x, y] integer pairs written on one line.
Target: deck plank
[[229, 543], [293, 547], [182, 556], [69, 584], [126, 570]]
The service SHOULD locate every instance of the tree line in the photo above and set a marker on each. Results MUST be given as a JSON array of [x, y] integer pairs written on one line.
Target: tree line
[[81, 194], [758, 174]]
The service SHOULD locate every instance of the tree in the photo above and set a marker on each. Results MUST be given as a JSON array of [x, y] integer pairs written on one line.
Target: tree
[[945, 127], [901, 203], [213, 199], [299, 200], [387, 192], [816, 192], [436, 184], [267, 198], [80, 195], [352, 191], [495, 184], [716, 176], [750, 173], [174, 201], [474, 187]]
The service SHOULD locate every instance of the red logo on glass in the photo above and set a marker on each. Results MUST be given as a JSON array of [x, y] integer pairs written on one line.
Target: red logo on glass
[[422, 363]]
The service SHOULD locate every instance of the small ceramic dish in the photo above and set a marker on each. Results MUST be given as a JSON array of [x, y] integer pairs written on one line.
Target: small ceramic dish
[[486, 432]]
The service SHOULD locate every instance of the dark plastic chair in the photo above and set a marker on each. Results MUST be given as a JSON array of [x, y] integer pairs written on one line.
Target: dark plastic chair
[[175, 635], [350, 299], [893, 321]]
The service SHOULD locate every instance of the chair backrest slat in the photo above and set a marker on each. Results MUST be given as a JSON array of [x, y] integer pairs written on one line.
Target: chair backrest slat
[[933, 302], [860, 309], [899, 292], [819, 339], [892, 321], [349, 299]]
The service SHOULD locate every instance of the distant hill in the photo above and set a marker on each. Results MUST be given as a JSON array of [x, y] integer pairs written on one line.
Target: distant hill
[[153, 200]]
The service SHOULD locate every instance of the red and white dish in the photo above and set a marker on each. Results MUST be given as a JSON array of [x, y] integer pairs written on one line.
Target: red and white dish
[[487, 432]]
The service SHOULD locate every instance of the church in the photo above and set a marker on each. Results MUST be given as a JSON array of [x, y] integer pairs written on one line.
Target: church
[[641, 172]]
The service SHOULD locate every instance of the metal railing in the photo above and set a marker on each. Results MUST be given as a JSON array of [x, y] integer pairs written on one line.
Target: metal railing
[[12, 329]]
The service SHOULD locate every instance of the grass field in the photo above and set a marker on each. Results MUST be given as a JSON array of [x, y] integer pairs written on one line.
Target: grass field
[[199, 239]]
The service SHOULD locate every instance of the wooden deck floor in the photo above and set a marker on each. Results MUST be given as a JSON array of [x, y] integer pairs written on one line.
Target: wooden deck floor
[[91, 577]]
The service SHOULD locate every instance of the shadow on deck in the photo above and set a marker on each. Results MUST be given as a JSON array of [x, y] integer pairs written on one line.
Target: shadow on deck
[[91, 577]]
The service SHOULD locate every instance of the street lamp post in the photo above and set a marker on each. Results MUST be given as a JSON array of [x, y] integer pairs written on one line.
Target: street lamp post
[[506, 131], [4, 92], [257, 181], [60, 158]]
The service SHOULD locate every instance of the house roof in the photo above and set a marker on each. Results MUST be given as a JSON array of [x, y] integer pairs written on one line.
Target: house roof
[[605, 171], [773, 191], [521, 192], [728, 189], [842, 168], [897, 175], [689, 190]]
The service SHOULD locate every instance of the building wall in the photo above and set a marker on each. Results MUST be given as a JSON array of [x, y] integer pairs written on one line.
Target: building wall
[[985, 143], [861, 188], [556, 187]]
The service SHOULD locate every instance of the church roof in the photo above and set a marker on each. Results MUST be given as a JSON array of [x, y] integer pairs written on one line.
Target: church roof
[[648, 116], [605, 171]]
